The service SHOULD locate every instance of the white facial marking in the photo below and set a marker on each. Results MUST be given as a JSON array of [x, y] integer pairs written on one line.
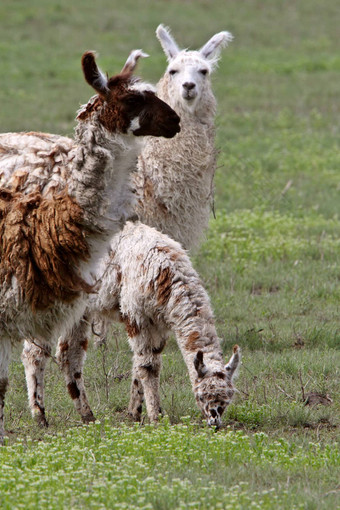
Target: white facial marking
[[135, 124]]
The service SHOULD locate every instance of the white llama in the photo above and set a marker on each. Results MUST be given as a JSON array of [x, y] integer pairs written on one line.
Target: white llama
[[174, 181], [62, 201]]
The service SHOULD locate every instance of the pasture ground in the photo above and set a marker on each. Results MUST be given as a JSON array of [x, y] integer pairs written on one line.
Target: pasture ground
[[270, 263]]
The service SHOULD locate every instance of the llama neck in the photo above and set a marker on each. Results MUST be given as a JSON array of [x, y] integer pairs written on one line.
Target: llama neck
[[100, 174], [192, 321], [174, 183]]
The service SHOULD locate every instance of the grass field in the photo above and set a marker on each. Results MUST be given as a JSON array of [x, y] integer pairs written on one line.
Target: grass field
[[270, 263]]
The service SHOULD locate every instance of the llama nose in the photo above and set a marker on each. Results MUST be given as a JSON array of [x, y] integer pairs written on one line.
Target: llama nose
[[214, 421], [189, 85]]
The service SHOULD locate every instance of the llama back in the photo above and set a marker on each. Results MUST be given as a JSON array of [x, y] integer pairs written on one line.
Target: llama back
[[149, 277], [35, 161]]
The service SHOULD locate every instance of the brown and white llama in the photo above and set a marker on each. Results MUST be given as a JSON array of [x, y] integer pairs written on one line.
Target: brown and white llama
[[174, 189], [61, 202]]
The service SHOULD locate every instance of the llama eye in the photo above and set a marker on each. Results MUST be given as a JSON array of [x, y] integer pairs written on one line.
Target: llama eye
[[173, 71], [204, 71]]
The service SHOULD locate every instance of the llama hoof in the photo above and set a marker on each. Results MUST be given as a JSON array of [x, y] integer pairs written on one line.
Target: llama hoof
[[136, 415], [41, 420], [88, 418]]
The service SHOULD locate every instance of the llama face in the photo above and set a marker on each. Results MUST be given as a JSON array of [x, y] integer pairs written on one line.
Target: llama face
[[188, 77], [214, 389], [125, 104], [148, 115], [213, 394], [188, 71]]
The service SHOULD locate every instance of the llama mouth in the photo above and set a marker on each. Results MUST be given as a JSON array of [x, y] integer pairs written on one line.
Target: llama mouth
[[189, 96]]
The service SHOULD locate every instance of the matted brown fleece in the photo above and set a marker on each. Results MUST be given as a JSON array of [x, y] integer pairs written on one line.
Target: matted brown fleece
[[42, 240]]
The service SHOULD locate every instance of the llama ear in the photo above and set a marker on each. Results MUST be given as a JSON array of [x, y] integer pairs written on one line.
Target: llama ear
[[93, 75], [168, 43], [201, 369], [131, 63], [211, 50], [233, 364]]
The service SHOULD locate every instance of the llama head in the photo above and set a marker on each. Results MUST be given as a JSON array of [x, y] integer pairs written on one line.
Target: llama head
[[124, 103], [188, 72], [214, 389]]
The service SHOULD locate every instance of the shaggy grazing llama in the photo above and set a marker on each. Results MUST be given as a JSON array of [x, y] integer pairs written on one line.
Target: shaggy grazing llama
[[174, 189], [62, 201], [151, 287]]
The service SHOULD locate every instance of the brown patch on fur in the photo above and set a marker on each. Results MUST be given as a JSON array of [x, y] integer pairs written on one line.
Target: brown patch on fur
[[162, 207], [165, 249], [8, 150], [39, 134], [18, 180], [235, 348], [63, 346], [115, 116], [73, 390], [84, 344], [91, 107], [148, 187], [131, 327], [163, 286], [77, 375], [192, 343], [42, 241], [116, 268], [119, 276]]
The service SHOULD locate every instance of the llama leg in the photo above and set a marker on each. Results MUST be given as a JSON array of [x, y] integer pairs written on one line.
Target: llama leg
[[34, 359], [5, 353], [148, 367], [71, 354], [147, 363], [136, 394]]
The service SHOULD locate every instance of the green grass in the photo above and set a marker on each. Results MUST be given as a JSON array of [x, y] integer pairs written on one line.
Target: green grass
[[270, 263], [167, 467]]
